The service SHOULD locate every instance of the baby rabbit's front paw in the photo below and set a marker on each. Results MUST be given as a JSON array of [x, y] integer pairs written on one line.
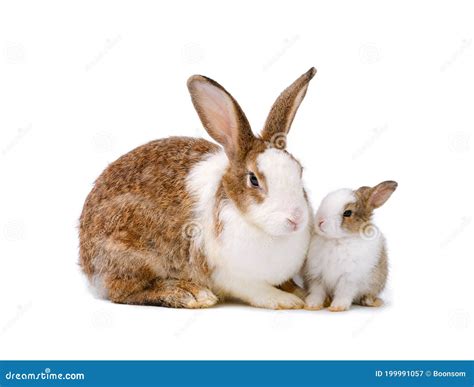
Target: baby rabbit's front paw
[[314, 302], [317, 299], [314, 307], [340, 306]]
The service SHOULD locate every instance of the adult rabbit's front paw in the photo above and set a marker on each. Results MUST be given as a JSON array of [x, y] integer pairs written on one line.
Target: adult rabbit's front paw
[[273, 298]]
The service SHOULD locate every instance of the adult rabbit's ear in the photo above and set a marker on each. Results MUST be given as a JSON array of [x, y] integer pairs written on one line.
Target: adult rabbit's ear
[[283, 111], [221, 116]]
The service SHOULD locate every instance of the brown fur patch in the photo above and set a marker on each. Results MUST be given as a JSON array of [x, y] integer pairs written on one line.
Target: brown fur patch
[[133, 225]]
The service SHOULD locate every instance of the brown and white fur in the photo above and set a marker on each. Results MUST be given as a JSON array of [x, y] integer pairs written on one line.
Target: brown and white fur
[[182, 222], [347, 259]]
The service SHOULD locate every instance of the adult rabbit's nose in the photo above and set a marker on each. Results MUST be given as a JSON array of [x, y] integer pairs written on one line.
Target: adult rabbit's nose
[[297, 214]]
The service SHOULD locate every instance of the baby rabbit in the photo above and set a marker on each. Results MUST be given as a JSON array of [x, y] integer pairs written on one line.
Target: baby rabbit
[[347, 259]]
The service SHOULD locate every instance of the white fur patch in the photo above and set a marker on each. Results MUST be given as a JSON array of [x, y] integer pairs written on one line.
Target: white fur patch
[[352, 257]]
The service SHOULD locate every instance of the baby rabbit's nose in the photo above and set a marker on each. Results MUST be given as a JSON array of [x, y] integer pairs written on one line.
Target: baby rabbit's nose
[[320, 223]]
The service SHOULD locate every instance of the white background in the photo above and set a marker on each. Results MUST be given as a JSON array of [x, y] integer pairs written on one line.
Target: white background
[[82, 83]]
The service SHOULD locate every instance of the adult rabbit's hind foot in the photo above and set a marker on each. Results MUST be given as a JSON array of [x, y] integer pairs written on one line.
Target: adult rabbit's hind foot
[[170, 293]]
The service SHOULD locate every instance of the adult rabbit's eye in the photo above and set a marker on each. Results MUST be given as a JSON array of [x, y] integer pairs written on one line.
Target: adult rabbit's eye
[[347, 213], [253, 180]]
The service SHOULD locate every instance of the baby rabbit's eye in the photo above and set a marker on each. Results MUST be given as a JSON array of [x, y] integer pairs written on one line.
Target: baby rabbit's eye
[[253, 180], [347, 213]]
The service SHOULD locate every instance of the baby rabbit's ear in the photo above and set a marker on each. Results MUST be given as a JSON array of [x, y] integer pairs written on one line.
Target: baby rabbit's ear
[[381, 192], [221, 116], [283, 111]]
